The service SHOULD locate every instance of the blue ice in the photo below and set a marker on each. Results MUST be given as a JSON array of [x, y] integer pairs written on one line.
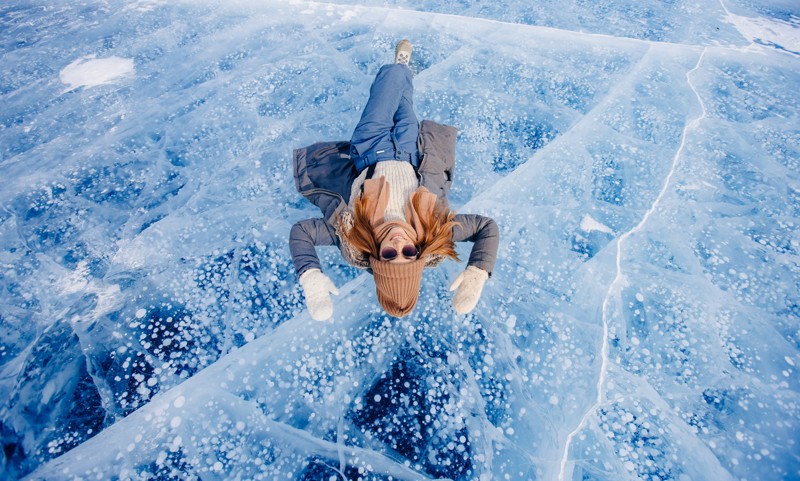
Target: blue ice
[[642, 162]]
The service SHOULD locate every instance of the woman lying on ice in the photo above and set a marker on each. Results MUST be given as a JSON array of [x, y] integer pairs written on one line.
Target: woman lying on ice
[[383, 196]]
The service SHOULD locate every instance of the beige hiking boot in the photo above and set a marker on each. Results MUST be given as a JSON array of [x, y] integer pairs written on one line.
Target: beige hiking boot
[[402, 53]]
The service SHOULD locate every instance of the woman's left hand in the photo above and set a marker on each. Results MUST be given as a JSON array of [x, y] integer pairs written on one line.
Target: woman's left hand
[[470, 285]]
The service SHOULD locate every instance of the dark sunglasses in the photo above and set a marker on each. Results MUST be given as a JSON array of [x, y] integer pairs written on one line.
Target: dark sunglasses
[[408, 251]]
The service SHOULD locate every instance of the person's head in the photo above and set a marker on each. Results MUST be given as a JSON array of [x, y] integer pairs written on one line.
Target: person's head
[[398, 250]]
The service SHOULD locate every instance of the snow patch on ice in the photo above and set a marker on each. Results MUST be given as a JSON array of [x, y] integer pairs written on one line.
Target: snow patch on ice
[[143, 5], [90, 71], [79, 280], [74, 281], [781, 34], [589, 224]]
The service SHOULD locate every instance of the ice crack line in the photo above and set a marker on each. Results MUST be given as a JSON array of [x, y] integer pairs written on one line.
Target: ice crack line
[[620, 277]]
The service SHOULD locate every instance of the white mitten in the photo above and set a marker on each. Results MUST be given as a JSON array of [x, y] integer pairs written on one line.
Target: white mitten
[[470, 285], [317, 288]]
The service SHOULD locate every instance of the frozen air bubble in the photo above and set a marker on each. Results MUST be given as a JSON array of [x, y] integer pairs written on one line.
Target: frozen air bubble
[[452, 359], [511, 322], [140, 313]]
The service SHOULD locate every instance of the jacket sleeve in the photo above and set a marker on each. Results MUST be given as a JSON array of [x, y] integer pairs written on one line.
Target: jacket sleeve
[[303, 237], [484, 234]]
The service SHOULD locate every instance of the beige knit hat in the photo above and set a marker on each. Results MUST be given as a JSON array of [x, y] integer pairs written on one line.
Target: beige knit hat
[[397, 285]]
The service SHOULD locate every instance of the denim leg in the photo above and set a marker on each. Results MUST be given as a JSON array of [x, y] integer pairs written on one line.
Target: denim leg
[[388, 127]]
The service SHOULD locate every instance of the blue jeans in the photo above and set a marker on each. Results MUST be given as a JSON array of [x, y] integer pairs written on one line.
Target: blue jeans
[[388, 128]]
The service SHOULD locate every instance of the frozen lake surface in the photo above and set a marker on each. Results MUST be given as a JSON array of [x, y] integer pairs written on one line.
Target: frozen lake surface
[[642, 160]]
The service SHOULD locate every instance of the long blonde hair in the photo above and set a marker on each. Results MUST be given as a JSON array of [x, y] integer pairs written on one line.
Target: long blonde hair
[[437, 227]]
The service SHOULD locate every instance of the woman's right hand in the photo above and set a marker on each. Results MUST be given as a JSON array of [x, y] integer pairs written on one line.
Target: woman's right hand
[[317, 287], [470, 285]]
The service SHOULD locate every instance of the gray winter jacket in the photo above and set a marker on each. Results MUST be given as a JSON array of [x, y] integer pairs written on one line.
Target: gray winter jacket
[[324, 173]]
